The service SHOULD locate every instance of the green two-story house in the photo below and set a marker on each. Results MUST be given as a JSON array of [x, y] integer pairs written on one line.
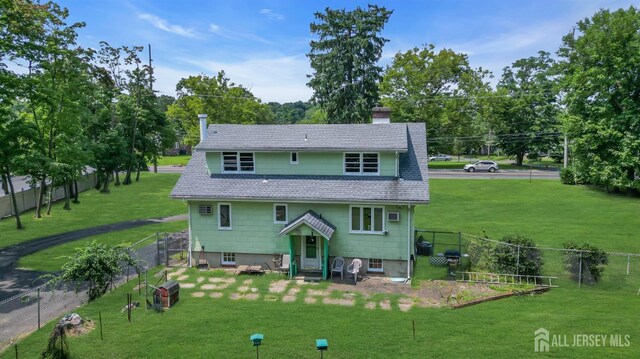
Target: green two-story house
[[311, 191]]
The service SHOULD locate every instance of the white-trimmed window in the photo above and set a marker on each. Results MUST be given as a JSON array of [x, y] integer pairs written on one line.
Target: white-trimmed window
[[280, 213], [375, 265], [364, 219], [224, 216], [294, 158], [356, 163], [205, 209], [234, 162], [228, 258]]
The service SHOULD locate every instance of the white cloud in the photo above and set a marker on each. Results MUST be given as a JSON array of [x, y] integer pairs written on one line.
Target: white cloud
[[271, 15], [269, 77], [164, 25], [167, 78], [235, 35]]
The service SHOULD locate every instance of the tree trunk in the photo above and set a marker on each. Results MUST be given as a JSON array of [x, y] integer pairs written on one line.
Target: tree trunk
[[519, 158], [67, 196], [155, 163], [105, 189], [5, 188], [138, 173], [43, 187], [13, 199], [76, 194], [127, 177], [50, 198], [117, 177]]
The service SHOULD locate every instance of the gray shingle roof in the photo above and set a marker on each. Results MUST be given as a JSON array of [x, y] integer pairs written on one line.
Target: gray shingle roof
[[313, 220], [412, 186], [362, 137]]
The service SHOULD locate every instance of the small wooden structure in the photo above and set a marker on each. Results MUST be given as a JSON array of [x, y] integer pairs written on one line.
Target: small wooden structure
[[168, 294]]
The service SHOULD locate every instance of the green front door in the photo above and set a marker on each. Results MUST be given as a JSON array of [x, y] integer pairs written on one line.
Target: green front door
[[310, 252]]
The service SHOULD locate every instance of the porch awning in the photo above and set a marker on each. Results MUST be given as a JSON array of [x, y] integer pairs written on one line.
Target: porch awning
[[313, 220]]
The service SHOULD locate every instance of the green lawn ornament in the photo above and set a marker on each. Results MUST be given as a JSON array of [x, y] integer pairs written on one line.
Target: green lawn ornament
[[322, 345], [256, 339]]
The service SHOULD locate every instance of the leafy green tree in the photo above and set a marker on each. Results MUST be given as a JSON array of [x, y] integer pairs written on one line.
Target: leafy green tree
[[601, 78], [528, 110], [343, 58], [440, 89], [221, 99], [16, 137], [289, 112], [96, 263]]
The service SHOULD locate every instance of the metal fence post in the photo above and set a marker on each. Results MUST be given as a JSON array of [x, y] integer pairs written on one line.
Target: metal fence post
[[628, 263], [166, 250], [580, 274], [518, 260], [38, 308]]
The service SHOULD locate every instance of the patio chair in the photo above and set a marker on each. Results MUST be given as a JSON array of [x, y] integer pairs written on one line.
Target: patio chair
[[354, 269], [338, 266], [285, 263]]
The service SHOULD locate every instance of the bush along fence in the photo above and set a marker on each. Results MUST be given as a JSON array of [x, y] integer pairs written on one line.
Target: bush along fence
[[30, 310], [518, 258]]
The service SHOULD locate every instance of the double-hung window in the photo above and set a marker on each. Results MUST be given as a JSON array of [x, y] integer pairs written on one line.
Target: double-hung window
[[280, 215], [233, 162], [224, 216], [361, 163], [366, 219]]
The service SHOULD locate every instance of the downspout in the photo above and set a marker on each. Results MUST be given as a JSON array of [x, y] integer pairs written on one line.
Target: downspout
[[409, 242], [190, 246], [397, 166]]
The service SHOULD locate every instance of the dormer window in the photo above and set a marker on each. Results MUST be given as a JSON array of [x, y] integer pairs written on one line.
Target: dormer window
[[361, 164], [233, 162]]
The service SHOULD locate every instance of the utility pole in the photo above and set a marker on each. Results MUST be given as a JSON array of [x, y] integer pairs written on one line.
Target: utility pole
[[155, 156], [566, 151]]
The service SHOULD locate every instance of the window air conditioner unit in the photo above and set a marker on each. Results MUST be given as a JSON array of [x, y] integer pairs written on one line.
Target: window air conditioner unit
[[393, 216]]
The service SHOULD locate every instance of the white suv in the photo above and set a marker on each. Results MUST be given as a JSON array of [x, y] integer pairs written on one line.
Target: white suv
[[481, 166]]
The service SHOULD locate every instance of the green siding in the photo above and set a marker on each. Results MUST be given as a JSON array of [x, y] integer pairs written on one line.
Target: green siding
[[309, 163], [254, 231]]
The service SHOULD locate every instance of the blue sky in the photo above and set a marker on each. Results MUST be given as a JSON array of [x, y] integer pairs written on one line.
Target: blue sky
[[261, 44]]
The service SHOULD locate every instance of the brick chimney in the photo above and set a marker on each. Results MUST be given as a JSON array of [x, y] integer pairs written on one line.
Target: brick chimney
[[381, 115]]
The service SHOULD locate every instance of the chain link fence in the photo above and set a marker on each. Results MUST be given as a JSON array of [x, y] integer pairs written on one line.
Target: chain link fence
[[567, 267], [28, 311]]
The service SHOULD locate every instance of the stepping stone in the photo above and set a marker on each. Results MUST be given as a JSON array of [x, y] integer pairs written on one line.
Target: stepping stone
[[321, 293], [345, 302], [385, 304], [370, 305], [197, 294], [310, 300], [216, 295], [183, 277], [247, 281], [187, 285], [278, 286], [200, 279], [405, 304]]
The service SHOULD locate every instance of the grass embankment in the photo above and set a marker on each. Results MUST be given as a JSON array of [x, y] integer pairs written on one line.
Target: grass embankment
[[180, 160], [148, 198], [52, 259]]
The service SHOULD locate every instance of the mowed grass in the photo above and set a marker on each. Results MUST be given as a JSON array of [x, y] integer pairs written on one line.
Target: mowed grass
[[548, 212], [180, 160], [148, 198], [52, 259], [205, 327]]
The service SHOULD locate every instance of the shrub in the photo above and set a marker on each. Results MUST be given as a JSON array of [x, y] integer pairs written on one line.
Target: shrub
[[567, 176], [584, 262], [517, 255]]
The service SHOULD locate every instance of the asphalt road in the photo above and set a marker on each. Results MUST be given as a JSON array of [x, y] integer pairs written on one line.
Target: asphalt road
[[502, 174]]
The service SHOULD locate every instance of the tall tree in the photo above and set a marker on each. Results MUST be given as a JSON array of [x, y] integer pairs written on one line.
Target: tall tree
[[528, 112], [344, 61], [221, 99], [438, 88], [601, 77]]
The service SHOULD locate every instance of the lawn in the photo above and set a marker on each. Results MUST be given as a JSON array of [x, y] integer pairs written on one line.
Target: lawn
[[180, 160], [53, 258], [148, 198], [548, 212], [203, 326]]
